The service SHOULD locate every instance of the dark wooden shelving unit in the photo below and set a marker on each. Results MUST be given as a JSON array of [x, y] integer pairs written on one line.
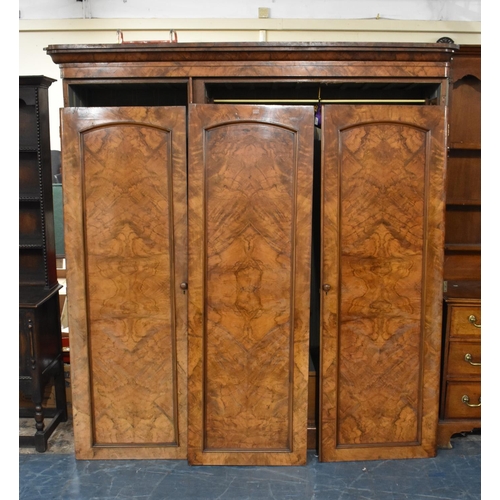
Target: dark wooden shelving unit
[[460, 408], [40, 352]]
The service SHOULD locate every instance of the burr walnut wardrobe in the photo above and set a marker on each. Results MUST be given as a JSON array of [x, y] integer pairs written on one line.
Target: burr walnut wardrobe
[[242, 220]]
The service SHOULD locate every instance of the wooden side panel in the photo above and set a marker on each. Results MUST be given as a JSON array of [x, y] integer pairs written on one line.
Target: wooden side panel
[[383, 208], [124, 181], [250, 190], [462, 265], [465, 99], [463, 178]]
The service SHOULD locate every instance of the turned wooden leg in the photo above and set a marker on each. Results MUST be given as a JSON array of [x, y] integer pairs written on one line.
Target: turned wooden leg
[[40, 439]]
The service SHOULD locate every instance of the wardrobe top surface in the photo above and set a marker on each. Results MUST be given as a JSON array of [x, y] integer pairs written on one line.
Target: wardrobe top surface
[[146, 51]]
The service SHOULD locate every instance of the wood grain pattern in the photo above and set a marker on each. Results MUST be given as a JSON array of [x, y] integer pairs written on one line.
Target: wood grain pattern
[[244, 275], [257, 69], [278, 60], [125, 183], [460, 326], [250, 194], [458, 364], [251, 51], [383, 174], [455, 407]]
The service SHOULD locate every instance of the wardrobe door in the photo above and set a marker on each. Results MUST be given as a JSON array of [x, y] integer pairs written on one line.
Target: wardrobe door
[[250, 189], [382, 242], [125, 215]]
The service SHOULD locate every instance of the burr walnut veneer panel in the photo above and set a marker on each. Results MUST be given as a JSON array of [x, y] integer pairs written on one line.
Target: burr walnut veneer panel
[[250, 188], [253, 59], [383, 172], [125, 213]]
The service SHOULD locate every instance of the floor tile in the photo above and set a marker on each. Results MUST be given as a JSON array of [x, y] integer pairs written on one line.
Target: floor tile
[[453, 474]]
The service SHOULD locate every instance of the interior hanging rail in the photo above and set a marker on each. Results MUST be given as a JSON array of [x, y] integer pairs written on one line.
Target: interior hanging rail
[[315, 101]]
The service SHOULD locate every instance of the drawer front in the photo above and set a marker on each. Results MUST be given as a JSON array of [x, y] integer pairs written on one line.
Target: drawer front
[[456, 407], [464, 358], [465, 321]]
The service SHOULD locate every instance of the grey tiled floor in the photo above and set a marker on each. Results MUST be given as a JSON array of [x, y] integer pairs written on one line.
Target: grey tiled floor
[[453, 474]]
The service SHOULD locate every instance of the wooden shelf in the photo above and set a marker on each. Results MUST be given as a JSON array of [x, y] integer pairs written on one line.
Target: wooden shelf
[[463, 185], [463, 247], [464, 203]]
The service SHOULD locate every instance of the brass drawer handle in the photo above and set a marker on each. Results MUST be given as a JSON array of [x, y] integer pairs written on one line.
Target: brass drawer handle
[[472, 321], [465, 400], [468, 358]]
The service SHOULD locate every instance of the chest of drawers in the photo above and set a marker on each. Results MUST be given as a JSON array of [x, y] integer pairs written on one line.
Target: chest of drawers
[[460, 407]]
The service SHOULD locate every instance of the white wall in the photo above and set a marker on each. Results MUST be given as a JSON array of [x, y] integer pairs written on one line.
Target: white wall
[[426, 10], [34, 35], [48, 22]]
